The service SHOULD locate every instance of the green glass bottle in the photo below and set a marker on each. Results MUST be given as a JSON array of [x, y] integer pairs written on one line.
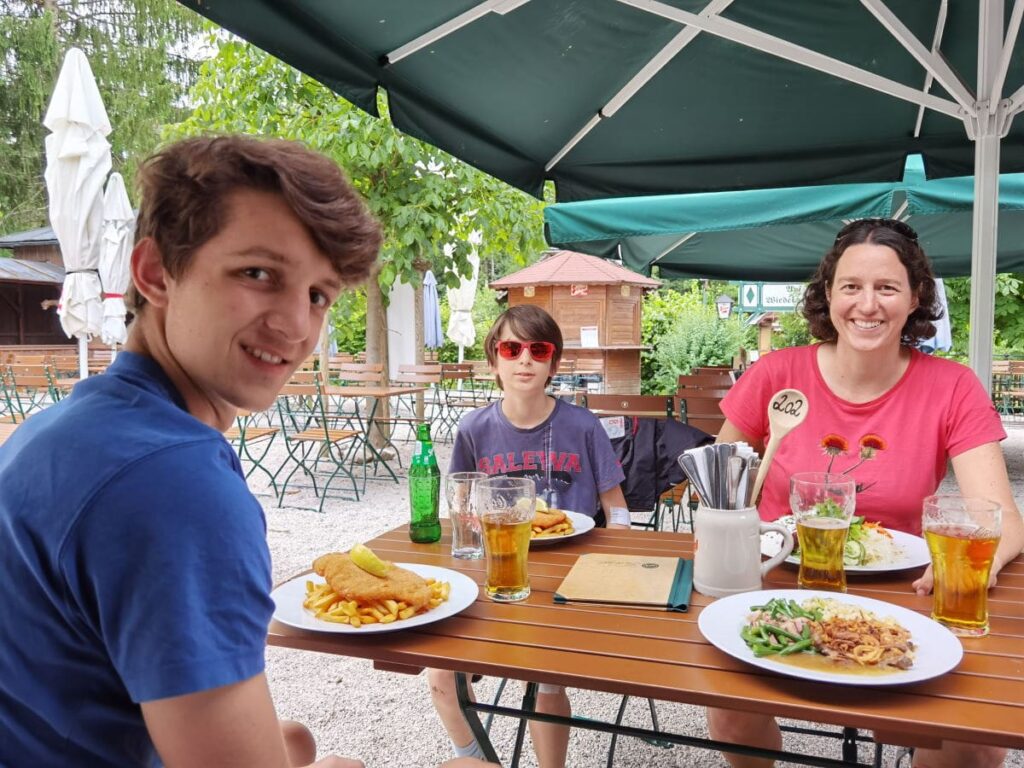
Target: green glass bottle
[[424, 490]]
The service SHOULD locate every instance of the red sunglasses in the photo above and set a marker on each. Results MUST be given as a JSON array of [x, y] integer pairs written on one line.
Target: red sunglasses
[[541, 351]]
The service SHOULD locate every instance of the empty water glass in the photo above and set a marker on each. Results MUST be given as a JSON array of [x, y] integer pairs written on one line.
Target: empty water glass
[[467, 540]]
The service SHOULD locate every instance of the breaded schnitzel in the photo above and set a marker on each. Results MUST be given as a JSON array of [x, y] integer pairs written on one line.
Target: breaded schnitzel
[[353, 583], [548, 518]]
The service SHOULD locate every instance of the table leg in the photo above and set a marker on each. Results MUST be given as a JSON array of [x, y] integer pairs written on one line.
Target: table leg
[[472, 720]]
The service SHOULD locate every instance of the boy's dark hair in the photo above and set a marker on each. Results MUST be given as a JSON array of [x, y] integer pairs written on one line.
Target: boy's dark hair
[[185, 189], [900, 238], [528, 323]]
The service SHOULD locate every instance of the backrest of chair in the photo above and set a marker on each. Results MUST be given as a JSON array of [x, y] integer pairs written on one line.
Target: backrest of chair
[[700, 411], [29, 376], [456, 371], [652, 406], [434, 368], [410, 374], [354, 367], [358, 377], [705, 381]]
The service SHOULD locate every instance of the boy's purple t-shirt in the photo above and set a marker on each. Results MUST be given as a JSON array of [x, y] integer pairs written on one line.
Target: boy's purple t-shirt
[[568, 456]]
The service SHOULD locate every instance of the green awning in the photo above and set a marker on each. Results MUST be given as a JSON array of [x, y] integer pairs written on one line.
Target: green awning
[[782, 234]]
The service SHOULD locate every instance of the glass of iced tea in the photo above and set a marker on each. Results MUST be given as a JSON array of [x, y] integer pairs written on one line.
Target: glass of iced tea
[[822, 506], [962, 535], [506, 507]]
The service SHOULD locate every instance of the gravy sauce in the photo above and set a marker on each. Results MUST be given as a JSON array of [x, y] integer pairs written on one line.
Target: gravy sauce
[[820, 663]]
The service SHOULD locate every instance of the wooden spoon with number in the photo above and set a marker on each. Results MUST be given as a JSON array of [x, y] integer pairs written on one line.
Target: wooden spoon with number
[[786, 411]]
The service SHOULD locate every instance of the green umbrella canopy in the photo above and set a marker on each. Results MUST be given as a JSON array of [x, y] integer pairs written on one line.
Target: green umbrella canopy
[[781, 234], [559, 90], [641, 97]]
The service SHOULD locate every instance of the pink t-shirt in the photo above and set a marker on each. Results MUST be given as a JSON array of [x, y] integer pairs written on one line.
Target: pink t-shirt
[[895, 447]]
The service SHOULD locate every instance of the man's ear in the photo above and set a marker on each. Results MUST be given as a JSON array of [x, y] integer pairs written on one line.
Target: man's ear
[[148, 273]]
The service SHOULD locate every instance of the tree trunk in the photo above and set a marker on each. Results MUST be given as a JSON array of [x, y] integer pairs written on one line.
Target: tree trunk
[[377, 345]]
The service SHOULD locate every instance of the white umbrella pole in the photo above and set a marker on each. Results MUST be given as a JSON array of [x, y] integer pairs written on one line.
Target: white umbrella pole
[[113, 352], [986, 197], [458, 384], [83, 358]]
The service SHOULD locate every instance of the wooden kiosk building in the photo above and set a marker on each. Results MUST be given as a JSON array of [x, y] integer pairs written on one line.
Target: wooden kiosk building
[[597, 305]]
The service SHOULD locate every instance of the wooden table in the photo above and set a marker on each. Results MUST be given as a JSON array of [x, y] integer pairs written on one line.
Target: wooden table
[[663, 656]]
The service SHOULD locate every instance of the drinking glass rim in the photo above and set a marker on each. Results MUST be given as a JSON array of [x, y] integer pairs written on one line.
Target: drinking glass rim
[[992, 506], [504, 481], [467, 476], [822, 478]]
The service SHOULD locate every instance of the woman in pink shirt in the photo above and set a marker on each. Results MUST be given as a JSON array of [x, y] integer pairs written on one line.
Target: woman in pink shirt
[[879, 411]]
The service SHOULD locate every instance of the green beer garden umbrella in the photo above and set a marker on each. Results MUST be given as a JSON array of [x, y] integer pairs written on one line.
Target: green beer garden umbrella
[[608, 98], [782, 234]]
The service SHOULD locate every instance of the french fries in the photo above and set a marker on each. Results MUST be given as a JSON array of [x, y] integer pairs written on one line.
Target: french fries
[[561, 529], [326, 604]]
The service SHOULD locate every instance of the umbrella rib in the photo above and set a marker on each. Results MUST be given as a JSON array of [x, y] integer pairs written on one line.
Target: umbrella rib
[[1012, 29], [775, 46], [935, 65], [940, 28], [501, 7], [638, 81]]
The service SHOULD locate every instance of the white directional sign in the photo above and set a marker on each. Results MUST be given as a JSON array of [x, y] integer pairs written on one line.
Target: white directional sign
[[767, 297]]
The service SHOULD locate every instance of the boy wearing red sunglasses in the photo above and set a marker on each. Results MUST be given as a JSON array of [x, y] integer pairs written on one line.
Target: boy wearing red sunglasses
[[563, 448]]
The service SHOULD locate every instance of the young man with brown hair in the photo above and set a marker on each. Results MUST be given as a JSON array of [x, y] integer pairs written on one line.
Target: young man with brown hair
[[134, 556]]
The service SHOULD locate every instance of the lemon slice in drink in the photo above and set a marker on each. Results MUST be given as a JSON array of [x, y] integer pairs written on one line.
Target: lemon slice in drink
[[366, 559]]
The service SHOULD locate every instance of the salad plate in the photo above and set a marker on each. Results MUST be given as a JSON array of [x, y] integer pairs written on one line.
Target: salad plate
[[902, 551]]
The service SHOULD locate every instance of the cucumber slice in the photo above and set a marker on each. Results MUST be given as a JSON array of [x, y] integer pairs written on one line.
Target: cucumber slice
[[854, 553]]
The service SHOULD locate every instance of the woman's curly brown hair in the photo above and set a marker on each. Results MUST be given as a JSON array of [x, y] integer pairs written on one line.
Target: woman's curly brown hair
[[903, 240]]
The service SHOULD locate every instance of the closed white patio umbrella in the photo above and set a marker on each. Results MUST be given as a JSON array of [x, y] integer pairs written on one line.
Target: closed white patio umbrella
[[77, 163], [115, 255], [460, 301]]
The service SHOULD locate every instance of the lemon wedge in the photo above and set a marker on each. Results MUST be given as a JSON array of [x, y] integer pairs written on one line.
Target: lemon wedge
[[540, 504], [366, 559]]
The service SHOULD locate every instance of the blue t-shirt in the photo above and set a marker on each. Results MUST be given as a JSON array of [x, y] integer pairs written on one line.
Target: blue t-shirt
[[568, 456], [134, 566]]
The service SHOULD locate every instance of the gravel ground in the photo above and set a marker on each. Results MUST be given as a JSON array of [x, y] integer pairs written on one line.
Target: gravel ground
[[386, 719]]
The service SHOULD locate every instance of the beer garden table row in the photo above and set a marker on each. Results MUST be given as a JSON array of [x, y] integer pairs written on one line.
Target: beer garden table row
[[663, 656]]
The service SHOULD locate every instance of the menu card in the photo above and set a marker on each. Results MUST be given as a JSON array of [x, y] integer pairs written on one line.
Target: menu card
[[659, 583]]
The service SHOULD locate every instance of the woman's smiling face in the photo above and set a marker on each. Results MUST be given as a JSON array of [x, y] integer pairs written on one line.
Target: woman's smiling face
[[870, 298]]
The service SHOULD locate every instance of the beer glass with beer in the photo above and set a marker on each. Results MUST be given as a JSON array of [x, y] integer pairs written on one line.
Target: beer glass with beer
[[962, 535], [506, 507], [467, 540], [822, 505]]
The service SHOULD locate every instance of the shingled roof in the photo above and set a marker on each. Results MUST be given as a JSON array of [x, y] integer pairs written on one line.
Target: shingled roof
[[571, 268]]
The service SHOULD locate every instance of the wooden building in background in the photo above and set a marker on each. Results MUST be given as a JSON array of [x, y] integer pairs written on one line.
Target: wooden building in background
[[597, 304], [34, 276]]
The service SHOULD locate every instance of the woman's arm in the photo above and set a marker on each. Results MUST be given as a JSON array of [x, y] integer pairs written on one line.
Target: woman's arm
[[730, 433], [982, 472]]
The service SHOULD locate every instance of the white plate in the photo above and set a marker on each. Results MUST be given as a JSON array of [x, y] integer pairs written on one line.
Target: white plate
[[289, 596], [938, 649], [915, 551], [581, 524]]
